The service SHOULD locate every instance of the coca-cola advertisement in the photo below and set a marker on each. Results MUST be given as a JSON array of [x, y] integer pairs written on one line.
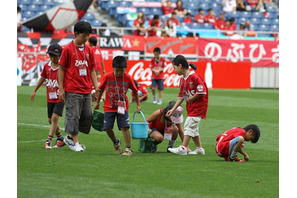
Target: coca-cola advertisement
[[216, 74]]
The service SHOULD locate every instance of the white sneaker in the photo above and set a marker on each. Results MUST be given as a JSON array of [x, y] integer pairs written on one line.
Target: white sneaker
[[154, 100], [77, 147], [160, 102], [181, 150], [69, 142], [199, 151]]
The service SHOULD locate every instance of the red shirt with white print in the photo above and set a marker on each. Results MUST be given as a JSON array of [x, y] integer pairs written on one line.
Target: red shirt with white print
[[199, 18], [51, 81], [211, 19], [190, 86], [157, 65], [77, 62], [116, 90]]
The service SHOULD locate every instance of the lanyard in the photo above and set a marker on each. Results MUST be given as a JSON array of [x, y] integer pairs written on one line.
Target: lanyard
[[117, 86]]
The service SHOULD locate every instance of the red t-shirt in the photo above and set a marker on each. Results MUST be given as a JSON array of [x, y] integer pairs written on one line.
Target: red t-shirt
[[199, 18], [155, 24], [220, 23], [167, 10], [157, 65], [157, 123], [174, 21], [97, 59], [77, 65], [188, 20], [211, 19], [51, 81], [141, 91], [116, 90], [223, 140], [190, 86]]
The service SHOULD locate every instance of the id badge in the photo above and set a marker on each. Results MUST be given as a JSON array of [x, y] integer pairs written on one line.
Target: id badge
[[83, 72], [168, 133], [121, 107], [52, 95]]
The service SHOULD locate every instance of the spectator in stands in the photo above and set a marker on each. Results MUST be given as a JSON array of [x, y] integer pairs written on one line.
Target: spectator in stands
[[170, 29], [19, 20], [233, 25], [229, 5], [140, 19], [244, 28], [220, 23], [154, 26], [252, 4], [229, 31], [141, 30], [167, 9], [163, 33], [200, 17], [174, 19], [188, 19], [240, 5], [261, 7], [104, 32], [179, 10], [211, 17]]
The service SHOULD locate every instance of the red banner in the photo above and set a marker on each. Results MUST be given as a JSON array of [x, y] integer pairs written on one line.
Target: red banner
[[171, 45], [216, 74], [259, 53]]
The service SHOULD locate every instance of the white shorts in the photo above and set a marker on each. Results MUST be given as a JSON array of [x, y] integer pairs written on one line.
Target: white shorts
[[191, 127]]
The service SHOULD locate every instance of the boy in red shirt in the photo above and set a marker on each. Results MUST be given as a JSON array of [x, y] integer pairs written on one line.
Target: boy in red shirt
[[142, 93], [76, 77], [230, 143], [157, 66], [55, 107], [211, 17], [200, 17], [188, 19], [220, 23], [116, 103], [194, 91]]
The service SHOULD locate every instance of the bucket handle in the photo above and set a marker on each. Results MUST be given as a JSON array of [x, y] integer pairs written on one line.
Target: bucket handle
[[141, 114]]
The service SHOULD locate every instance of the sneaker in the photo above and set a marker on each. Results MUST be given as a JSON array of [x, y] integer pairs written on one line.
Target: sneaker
[[154, 100], [199, 151], [59, 143], [48, 145], [127, 152], [236, 159], [77, 147], [160, 102], [181, 150], [117, 147], [69, 141]]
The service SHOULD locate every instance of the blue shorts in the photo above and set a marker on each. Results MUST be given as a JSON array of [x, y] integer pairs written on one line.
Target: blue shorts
[[122, 120], [233, 142], [159, 82]]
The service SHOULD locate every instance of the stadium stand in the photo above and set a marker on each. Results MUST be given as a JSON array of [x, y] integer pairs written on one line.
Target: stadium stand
[[124, 16]]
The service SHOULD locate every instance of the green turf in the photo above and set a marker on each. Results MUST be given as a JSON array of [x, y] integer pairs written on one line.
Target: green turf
[[99, 172]]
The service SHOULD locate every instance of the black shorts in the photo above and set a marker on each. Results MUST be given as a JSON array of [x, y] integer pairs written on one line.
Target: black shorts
[[56, 108], [122, 120]]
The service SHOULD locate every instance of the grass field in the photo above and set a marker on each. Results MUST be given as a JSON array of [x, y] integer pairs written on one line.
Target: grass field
[[99, 172]]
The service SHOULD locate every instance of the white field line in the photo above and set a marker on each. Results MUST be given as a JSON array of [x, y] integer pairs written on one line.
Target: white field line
[[34, 125]]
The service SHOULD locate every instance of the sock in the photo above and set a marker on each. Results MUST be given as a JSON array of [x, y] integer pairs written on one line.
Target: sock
[[116, 141], [49, 138], [233, 154], [59, 136], [128, 147], [171, 143]]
